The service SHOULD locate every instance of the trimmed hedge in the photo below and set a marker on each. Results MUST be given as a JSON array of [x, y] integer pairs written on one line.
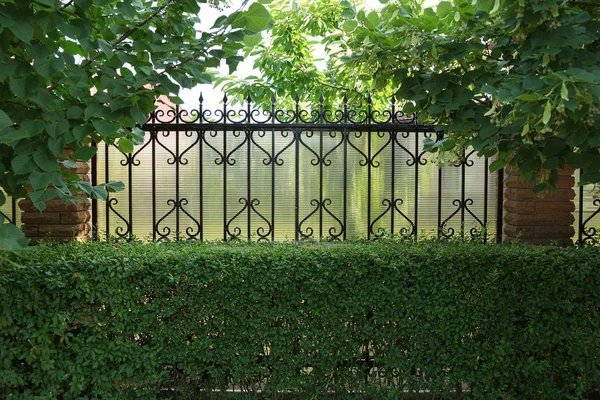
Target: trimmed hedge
[[378, 320]]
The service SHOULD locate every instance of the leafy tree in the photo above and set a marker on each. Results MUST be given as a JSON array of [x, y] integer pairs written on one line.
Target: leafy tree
[[82, 71], [515, 79]]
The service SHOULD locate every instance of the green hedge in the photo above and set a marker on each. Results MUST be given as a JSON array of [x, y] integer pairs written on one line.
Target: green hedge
[[357, 320]]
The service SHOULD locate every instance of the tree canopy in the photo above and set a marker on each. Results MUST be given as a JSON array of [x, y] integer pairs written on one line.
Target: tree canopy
[[514, 79], [82, 71]]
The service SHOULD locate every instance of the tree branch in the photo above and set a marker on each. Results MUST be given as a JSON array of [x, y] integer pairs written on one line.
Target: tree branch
[[126, 34]]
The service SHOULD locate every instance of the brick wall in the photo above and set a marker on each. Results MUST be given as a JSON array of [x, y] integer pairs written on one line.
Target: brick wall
[[61, 220], [543, 219]]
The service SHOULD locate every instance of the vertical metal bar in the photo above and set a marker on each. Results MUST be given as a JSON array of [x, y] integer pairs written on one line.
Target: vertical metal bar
[[393, 180], [462, 194], [369, 151], [297, 132], [580, 212], [225, 167], [154, 227], [201, 181], [345, 138], [249, 177], [485, 200], [14, 211], [273, 169], [130, 198], [500, 205], [416, 222], [321, 161], [106, 178], [94, 179], [201, 134], [439, 210], [177, 194]]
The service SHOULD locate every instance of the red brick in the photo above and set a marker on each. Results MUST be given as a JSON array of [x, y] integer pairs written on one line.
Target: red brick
[[61, 230], [75, 217], [562, 194], [554, 232], [520, 220], [30, 230], [519, 207], [512, 232], [519, 194], [554, 206], [33, 217], [56, 205]]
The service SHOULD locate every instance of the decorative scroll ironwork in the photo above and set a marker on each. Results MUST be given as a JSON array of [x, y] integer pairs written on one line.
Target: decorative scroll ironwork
[[227, 165]]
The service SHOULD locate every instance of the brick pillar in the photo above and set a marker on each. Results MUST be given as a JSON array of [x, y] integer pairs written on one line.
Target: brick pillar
[[543, 219], [61, 220]]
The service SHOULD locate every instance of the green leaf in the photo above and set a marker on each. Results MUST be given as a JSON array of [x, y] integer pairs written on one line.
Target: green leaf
[[12, 238], [22, 164], [106, 48], [69, 164], [497, 165], [45, 160], [42, 67], [40, 180], [257, 17], [5, 120], [104, 127], [547, 113], [252, 40], [564, 92], [23, 30], [115, 186], [39, 197], [125, 146], [85, 153]]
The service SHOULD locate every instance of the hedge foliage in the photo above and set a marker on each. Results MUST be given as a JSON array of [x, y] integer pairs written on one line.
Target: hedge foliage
[[378, 320]]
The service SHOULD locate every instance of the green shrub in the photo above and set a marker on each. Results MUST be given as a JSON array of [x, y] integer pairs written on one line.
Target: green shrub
[[384, 319]]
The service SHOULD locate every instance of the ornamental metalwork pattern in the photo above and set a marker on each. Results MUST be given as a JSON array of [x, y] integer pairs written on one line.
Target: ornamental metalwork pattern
[[293, 174]]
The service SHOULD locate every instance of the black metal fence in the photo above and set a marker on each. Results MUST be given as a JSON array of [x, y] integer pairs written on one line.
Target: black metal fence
[[250, 174], [245, 173]]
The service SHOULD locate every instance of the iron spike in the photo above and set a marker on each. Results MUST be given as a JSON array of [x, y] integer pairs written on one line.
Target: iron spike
[[201, 98]]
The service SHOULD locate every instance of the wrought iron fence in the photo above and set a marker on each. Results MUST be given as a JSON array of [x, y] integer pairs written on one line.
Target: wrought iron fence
[[294, 174], [298, 174]]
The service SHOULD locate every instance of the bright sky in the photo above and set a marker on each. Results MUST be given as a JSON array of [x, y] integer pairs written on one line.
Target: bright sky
[[213, 96]]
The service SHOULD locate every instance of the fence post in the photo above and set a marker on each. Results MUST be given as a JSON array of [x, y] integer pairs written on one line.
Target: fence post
[[61, 220], [543, 219]]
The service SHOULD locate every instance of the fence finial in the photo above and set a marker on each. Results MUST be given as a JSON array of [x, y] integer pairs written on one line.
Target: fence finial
[[201, 98]]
